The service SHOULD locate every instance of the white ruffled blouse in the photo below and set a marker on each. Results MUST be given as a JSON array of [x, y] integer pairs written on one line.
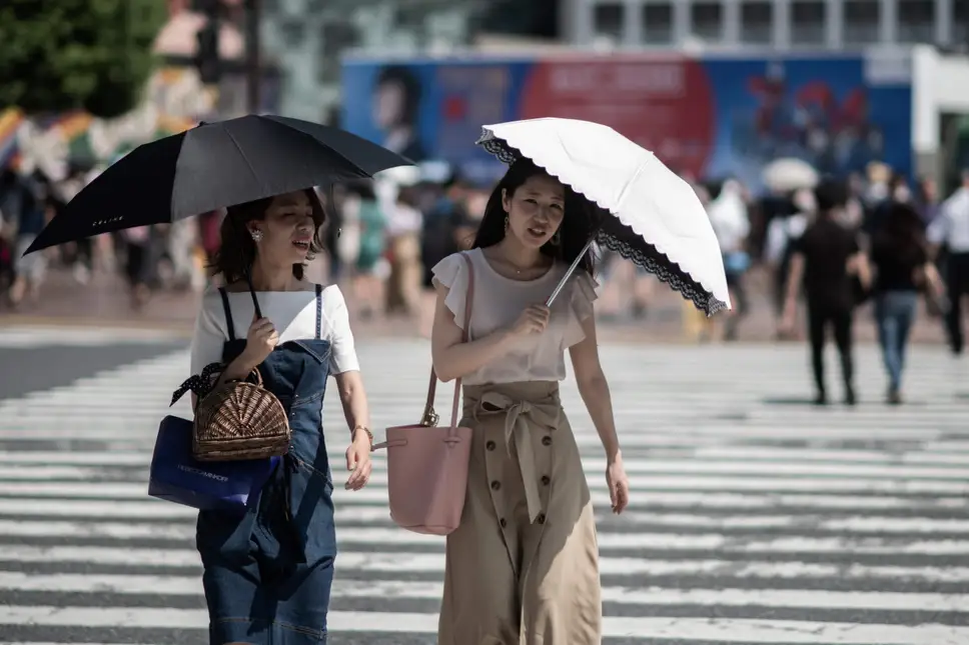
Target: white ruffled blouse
[[497, 303]]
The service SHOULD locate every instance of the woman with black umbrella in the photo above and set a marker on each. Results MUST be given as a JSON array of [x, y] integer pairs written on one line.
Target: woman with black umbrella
[[267, 574]]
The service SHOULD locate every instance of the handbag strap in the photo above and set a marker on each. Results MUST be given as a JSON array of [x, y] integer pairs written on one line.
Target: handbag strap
[[229, 324], [430, 417]]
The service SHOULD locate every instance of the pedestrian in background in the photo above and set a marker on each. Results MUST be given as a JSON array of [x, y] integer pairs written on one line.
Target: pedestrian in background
[[29, 200], [826, 259], [403, 229], [949, 231], [731, 224], [900, 257], [363, 244]]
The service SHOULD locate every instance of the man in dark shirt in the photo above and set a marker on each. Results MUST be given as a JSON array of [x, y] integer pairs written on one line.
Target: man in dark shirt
[[826, 258]]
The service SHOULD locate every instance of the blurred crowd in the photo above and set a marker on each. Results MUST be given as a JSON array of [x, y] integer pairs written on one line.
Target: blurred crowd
[[150, 257], [758, 232], [384, 236]]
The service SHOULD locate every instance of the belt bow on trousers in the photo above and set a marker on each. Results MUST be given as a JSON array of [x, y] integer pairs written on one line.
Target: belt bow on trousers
[[517, 428]]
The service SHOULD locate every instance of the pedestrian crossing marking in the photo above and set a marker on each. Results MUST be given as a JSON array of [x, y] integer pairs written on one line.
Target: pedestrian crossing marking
[[750, 522], [652, 630], [28, 336]]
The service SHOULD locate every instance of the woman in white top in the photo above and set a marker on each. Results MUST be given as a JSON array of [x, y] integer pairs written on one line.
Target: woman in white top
[[523, 565], [267, 574]]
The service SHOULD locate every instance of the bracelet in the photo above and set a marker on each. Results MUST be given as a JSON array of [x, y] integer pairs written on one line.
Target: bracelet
[[365, 429]]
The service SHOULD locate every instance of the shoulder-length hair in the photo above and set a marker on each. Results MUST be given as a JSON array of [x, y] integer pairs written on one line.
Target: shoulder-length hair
[[902, 233], [237, 250], [575, 230]]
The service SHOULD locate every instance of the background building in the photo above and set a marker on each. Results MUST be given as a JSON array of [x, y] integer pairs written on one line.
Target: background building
[[784, 24], [307, 38]]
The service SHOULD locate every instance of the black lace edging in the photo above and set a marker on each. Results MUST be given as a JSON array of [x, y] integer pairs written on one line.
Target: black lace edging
[[640, 251], [665, 271]]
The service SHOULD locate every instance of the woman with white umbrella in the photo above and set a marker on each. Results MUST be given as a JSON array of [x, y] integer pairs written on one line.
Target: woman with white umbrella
[[525, 478], [522, 567]]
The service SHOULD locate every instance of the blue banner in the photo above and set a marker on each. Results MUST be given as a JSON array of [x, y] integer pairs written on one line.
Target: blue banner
[[707, 117]]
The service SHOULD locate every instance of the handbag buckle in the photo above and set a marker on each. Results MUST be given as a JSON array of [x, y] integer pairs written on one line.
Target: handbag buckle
[[430, 418]]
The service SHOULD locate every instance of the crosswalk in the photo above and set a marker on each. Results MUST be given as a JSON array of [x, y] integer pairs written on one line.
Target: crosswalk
[[755, 518], [33, 336]]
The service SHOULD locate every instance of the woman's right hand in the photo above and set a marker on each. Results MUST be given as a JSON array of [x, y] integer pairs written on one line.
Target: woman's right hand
[[260, 341], [533, 320]]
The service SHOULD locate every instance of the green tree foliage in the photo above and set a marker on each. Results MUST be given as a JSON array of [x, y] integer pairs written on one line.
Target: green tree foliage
[[59, 55]]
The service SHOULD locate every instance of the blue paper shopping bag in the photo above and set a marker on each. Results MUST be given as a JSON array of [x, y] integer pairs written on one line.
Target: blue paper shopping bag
[[176, 476]]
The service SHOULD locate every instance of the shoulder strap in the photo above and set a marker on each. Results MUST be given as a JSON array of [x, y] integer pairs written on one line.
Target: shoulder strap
[[319, 311], [229, 325], [430, 416]]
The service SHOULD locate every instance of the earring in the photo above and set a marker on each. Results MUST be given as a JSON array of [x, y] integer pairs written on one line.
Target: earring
[[506, 223], [256, 235]]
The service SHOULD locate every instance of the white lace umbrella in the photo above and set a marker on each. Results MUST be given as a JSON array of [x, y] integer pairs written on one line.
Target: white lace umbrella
[[647, 213]]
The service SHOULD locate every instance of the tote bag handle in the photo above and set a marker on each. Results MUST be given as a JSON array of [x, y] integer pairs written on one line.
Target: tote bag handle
[[430, 418]]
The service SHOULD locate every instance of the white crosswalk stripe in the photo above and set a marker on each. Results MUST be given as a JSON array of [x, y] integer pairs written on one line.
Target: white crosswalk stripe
[[754, 518], [27, 336]]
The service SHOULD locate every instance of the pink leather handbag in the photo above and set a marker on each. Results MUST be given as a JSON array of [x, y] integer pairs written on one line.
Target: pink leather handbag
[[427, 465]]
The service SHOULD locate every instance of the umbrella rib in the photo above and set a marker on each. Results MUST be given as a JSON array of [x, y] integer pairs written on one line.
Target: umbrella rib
[[639, 170], [252, 171], [321, 142]]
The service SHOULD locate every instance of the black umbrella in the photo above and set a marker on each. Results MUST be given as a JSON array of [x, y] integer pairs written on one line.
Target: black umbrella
[[212, 166]]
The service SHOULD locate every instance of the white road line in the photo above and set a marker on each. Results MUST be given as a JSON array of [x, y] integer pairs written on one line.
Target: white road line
[[778, 598], [641, 485], [404, 562], [724, 630], [635, 467], [122, 531], [708, 463], [380, 535], [350, 509], [945, 461], [808, 455]]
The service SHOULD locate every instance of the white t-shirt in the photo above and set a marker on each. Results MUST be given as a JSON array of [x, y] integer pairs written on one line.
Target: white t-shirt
[[497, 303], [292, 312], [951, 226]]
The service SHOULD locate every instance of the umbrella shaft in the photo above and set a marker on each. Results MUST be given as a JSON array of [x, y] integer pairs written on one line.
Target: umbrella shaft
[[568, 274]]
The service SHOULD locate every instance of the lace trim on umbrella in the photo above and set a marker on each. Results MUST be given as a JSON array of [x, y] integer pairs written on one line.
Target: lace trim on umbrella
[[498, 147], [677, 280], [638, 251]]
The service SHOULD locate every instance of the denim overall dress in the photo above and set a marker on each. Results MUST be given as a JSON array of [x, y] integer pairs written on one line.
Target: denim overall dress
[[267, 573]]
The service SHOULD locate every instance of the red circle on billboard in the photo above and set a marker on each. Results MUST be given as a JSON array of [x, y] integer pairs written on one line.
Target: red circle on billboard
[[663, 104]]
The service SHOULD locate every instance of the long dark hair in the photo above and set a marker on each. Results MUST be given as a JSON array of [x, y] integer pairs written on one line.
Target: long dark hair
[[902, 233], [237, 250], [574, 232]]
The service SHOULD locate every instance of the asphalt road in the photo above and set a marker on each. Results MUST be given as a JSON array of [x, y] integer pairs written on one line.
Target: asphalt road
[[29, 369], [755, 517]]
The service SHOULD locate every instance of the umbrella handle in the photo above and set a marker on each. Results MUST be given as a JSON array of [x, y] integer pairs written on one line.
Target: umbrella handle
[[568, 274], [241, 230], [252, 292]]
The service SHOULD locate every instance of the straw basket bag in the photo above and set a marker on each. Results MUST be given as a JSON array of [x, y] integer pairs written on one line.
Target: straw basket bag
[[427, 466], [240, 420]]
